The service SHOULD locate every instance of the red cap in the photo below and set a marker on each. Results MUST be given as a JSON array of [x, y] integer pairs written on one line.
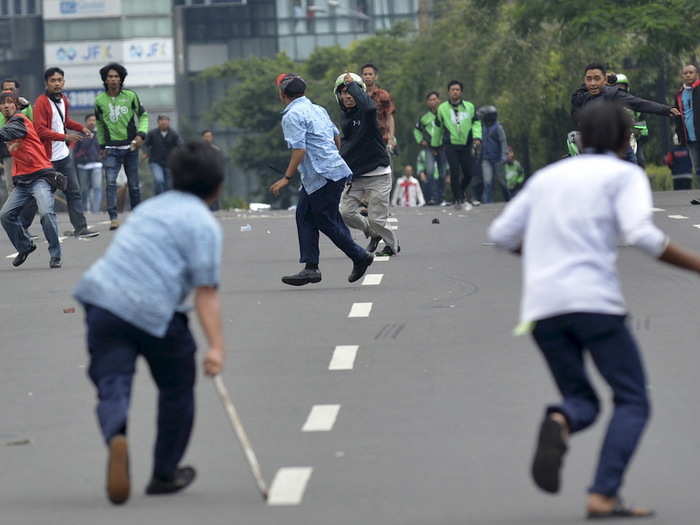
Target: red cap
[[280, 78]]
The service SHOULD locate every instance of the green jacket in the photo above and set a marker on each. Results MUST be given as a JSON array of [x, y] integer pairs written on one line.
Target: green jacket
[[515, 174], [640, 126], [28, 111], [458, 122], [422, 164], [120, 119], [427, 130]]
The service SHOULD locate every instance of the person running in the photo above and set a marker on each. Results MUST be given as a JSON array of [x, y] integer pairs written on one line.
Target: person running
[[32, 173], [122, 124], [10, 84], [428, 135], [386, 109], [52, 122], [572, 295], [594, 89], [314, 139], [461, 132], [160, 142], [363, 149], [133, 299]]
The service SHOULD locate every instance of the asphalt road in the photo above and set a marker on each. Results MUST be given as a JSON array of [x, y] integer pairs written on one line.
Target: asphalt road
[[434, 422]]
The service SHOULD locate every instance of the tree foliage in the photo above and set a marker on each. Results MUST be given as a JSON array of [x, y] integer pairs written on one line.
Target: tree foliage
[[524, 56]]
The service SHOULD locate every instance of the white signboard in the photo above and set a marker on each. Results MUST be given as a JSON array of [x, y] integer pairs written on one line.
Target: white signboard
[[66, 9], [134, 51], [158, 74]]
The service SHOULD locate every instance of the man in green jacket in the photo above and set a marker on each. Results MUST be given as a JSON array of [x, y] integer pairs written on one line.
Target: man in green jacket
[[429, 135], [461, 132], [122, 124]]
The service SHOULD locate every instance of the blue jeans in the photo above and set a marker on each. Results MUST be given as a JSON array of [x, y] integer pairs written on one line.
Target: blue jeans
[[161, 178], [72, 193], [38, 191], [113, 162], [114, 346], [494, 174], [91, 188], [319, 212], [564, 340]]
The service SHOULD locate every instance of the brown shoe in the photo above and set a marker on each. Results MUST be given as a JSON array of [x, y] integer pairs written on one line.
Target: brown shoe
[[118, 485], [114, 224]]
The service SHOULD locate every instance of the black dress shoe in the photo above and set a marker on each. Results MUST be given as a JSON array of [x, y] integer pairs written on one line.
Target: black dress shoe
[[55, 262], [183, 477], [22, 256], [359, 268], [388, 251], [305, 276], [373, 243]]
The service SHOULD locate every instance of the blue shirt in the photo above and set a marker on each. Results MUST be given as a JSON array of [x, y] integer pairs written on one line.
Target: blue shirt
[[307, 126], [169, 245], [688, 112]]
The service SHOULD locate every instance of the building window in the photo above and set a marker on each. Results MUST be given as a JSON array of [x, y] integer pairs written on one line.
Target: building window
[[18, 7], [5, 7]]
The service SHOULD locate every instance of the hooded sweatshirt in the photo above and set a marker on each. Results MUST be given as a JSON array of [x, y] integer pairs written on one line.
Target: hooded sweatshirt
[[362, 147]]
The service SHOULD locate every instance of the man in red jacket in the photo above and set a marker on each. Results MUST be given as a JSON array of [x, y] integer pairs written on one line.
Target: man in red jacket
[[688, 123], [31, 170], [52, 122]]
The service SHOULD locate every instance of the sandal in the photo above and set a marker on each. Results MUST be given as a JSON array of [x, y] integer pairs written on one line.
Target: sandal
[[621, 511], [549, 455]]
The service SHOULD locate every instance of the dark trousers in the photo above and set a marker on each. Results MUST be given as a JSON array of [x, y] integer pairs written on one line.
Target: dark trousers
[[563, 340], [319, 212], [114, 346], [682, 183], [73, 198], [459, 159]]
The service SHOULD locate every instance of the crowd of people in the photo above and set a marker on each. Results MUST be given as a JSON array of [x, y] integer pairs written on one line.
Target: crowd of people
[[172, 244], [85, 161]]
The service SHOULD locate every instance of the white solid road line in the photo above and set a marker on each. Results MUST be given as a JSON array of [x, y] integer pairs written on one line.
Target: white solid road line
[[360, 310], [13, 255], [321, 418], [372, 279], [343, 357], [289, 485], [677, 217], [381, 258]]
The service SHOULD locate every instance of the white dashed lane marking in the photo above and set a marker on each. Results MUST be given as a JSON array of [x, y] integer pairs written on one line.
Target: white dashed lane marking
[[321, 418], [343, 357], [372, 279], [657, 209], [360, 310], [679, 217], [381, 258], [289, 485]]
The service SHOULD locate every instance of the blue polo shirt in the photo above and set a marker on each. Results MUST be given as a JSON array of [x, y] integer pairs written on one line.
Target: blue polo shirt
[[169, 245], [307, 126]]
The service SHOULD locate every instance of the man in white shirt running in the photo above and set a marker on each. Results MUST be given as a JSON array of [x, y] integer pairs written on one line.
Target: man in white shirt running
[[572, 295]]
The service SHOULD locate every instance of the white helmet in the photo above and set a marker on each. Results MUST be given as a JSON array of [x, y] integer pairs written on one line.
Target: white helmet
[[341, 80]]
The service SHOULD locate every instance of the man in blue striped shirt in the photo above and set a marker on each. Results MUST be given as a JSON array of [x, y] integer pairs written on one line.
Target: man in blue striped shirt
[[314, 141]]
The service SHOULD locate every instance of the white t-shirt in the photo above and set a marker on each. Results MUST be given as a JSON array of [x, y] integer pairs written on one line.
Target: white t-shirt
[[59, 149], [569, 219]]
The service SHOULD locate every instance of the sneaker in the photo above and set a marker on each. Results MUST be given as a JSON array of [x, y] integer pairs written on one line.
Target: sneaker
[[476, 203], [695, 202], [373, 243], [22, 256], [466, 206], [183, 477], [388, 251], [113, 224], [305, 276], [118, 483], [86, 233], [55, 262], [359, 268]]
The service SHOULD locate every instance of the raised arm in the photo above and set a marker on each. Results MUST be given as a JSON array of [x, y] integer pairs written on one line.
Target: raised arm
[[14, 129]]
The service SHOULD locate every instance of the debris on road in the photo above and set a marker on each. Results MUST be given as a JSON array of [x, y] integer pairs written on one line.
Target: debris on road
[[247, 228], [436, 221]]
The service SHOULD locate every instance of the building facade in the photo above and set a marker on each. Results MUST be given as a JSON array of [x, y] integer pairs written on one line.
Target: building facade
[[81, 36], [21, 44]]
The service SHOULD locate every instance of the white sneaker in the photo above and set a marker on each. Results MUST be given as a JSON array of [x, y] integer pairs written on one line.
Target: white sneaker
[[466, 206], [476, 203]]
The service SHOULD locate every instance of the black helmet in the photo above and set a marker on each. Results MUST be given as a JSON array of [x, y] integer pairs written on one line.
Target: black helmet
[[489, 114]]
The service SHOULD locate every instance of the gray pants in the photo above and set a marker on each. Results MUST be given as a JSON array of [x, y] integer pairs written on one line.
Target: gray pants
[[376, 192]]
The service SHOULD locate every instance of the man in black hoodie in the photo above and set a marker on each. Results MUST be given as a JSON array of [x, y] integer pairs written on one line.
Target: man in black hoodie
[[594, 89], [365, 152]]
